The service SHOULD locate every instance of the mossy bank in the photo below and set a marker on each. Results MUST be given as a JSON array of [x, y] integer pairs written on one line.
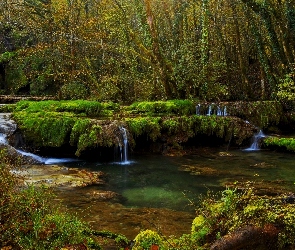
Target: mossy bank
[[83, 125]]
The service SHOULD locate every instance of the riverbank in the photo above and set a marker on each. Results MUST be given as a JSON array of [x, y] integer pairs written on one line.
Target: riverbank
[[117, 202]]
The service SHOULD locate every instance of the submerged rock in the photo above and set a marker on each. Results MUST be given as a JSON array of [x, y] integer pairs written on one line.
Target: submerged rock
[[103, 195], [59, 176], [7, 126], [200, 170]]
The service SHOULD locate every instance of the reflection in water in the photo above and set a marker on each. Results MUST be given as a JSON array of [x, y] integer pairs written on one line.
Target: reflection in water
[[160, 189]]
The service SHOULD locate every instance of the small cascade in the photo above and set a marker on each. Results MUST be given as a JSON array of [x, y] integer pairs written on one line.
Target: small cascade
[[124, 149], [45, 160], [209, 110], [212, 109], [219, 111], [256, 141], [224, 111], [198, 109]]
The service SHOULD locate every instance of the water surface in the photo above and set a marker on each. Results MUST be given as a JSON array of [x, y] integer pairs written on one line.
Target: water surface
[[156, 191]]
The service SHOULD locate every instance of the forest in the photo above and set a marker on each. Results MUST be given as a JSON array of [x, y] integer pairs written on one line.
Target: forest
[[132, 50], [184, 84]]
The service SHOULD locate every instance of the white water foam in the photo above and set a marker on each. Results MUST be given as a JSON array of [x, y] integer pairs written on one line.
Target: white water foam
[[3, 139], [124, 158], [256, 139]]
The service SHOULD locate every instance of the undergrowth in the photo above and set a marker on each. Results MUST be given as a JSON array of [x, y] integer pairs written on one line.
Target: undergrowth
[[30, 219]]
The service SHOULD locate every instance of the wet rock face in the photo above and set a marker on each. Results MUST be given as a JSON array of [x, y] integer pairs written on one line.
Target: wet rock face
[[8, 131], [14, 158]]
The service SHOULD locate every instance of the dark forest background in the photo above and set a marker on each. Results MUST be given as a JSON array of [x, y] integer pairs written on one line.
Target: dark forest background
[[132, 50]]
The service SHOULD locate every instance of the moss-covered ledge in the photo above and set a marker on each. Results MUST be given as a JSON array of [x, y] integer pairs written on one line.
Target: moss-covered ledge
[[283, 144], [86, 125]]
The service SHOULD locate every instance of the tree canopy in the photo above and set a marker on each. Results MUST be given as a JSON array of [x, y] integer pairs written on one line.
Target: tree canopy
[[127, 50]]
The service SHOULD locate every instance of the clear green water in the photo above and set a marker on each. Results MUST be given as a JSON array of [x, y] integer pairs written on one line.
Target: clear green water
[[164, 182], [156, 191]]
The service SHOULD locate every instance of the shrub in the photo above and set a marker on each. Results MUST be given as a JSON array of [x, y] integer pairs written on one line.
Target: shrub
[[282, 143], [30, 219], [73, 91]]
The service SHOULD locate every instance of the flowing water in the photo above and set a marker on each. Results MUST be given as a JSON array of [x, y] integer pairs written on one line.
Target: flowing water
[[256, 141], [160, 192]]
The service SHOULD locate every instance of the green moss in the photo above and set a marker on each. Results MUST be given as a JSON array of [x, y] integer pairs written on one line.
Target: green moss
[[79, 123], [261, 113], [82, 107], [176, 107], [234, 210], [46, 128], [145, 125], [56, 123], [283, 143]]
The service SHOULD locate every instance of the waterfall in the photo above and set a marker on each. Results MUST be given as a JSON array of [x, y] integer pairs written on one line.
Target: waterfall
[[124, 157], [45, 160], [8, 127], [33, 156], [219, 111], [224, 111], [209, 110], [256, 141]]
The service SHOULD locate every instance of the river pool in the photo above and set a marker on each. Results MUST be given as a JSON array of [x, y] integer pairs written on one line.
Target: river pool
[[161, 192]]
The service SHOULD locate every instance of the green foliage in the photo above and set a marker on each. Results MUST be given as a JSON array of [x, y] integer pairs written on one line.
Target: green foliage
[[145, 239], [220, 216], [6, 56], [176, 107], [30, 219], [8, 108], [286, 88], [262, 114], [282, 143], [79, 107], [16, 77], [73, 91], [182, 52]]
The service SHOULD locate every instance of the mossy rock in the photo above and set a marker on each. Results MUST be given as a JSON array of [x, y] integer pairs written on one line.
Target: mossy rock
[[149, 239], [287, 144]]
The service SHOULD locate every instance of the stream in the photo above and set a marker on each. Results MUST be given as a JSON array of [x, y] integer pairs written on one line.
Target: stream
[[161, 192]]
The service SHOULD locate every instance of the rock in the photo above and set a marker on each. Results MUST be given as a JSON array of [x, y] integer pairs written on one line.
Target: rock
[[15, 158], [7, 126], [102, 195], [59, 176], [223, 154], [249, 237]]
